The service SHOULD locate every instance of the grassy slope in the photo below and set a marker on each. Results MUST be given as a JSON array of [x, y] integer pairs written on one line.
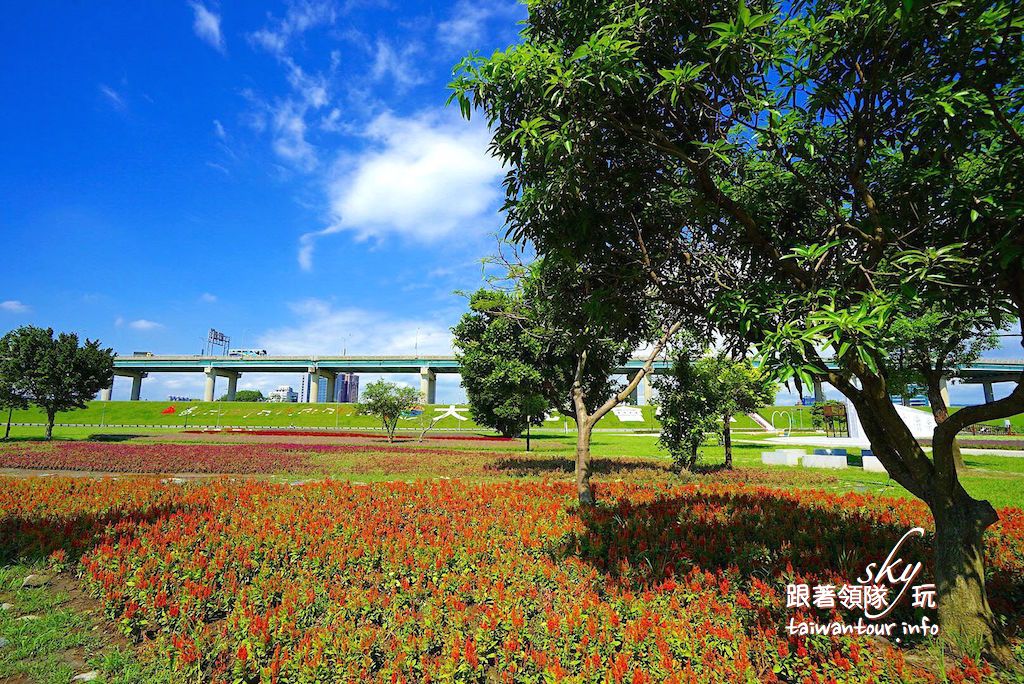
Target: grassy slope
[[192, 414]]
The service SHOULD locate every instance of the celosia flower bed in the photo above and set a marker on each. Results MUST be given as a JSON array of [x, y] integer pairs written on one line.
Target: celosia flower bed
[[364, 435], [447, 581], [120, 457]]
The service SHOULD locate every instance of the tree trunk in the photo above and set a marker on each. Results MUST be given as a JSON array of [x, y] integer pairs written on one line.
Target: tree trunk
[[727, 440], [958, 458], [941, 413], [583, 489], [965, 617], [51, 416], [10, 414]]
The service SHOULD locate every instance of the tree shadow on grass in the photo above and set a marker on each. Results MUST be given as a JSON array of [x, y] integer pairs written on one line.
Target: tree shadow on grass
[[534, 466], [102, 437]]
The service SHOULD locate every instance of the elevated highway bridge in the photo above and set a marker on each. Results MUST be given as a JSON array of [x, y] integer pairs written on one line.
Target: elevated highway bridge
[[138, 366]]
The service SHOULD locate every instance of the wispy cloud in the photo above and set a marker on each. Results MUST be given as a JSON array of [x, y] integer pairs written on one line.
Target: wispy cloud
[[320, 328], [206, 25], [207, 298], [300, 17], [218, 130], [14, 306], [466, 28], [436, 163], [398, 64], [145, 325], [114, 98]]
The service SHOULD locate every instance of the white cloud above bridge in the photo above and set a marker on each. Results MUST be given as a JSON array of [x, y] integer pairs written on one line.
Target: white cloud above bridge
[[320, 328], [422, 178]]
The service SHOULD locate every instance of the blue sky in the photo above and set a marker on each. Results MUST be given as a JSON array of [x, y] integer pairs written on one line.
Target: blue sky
[[286, 172]]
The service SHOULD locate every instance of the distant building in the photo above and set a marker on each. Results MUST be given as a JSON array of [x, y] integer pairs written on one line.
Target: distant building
[[283, 394], [347, 388]]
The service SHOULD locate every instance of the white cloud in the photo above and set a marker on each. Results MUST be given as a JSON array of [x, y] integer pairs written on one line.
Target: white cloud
[[423, 178], [300, 17], [399, 65], [466, 28], [14, 306], [145, 325], [218, 130], [207, 26], [208, 298], [289, 125], [113, 97], [323, 329]]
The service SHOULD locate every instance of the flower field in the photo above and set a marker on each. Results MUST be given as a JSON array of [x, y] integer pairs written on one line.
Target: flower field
[[245, 581], [157, 458]]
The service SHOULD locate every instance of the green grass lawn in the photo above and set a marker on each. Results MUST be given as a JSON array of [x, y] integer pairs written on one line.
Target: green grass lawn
[[243, 414], [999, 479]]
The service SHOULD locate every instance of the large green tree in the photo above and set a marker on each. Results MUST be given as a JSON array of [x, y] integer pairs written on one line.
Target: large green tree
[[553, 328], [836, 165], [500, 360], [54, 373]]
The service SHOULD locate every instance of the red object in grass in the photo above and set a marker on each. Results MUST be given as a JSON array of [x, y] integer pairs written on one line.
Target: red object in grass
[[367, 435], [168, 410]]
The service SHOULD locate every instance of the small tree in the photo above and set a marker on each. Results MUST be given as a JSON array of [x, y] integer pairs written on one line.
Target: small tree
[[500, 364], [739, 388], [388, 401], [698, 394], [54, 373], [687, 409], [245, 395]]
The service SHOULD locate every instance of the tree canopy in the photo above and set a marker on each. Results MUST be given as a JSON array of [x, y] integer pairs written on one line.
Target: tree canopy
[[833, 167], [388, 401], [55, 373], [500, 364], [245, 395]]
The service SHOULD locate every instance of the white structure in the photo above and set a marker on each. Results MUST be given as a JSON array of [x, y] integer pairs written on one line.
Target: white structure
[[283, 394], [921, 423], [873, 465], [825, 460], [783, 457]]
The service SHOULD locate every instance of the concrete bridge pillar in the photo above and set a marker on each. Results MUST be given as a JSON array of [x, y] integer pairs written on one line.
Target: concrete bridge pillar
[[428, 385], [137, 386], [634, 396], [312, 386], [648, 390], [990, 396], [819, 391], [105, 393], [332, 384], [233, 385], [209, 391]]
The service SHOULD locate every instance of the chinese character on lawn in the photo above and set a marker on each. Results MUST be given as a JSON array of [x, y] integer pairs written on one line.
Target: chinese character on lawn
[[924, 596], [825, 596], [851, 596], [451, 411], [798, 596]]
